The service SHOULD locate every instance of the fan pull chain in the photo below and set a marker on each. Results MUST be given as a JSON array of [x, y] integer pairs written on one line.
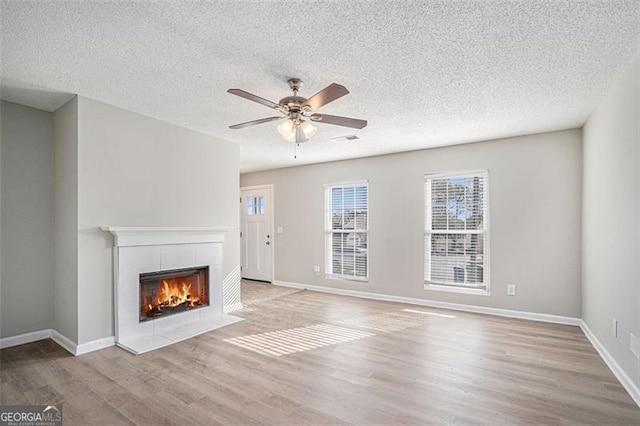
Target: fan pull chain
[[295, 151]]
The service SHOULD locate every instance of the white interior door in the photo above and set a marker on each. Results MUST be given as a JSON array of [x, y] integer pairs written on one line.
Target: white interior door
[[257, 236]]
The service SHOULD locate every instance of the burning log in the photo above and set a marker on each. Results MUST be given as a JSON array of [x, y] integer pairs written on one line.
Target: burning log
[[166, 308]]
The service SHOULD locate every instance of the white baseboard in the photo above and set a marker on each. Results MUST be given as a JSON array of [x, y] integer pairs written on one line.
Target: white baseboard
[[67, 344], [556, 319], [95, 345], [613, 365], [21, 339]]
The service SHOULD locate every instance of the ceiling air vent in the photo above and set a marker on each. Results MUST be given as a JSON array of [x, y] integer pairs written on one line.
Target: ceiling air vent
[[345, 138]]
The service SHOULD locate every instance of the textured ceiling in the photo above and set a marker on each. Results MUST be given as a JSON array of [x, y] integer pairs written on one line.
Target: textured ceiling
[[423, 73]]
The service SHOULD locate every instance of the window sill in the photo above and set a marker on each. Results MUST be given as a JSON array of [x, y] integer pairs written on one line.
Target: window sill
[[452, 289], [346, 278]]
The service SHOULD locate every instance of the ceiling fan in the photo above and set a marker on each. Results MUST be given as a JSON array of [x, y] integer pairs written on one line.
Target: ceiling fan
[[299, 111]]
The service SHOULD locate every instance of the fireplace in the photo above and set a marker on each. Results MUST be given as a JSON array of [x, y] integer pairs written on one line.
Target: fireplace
[[146, 258], [171, 292]]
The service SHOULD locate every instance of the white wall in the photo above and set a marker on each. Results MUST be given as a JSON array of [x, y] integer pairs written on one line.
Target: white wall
[[65, 215], [26, 293], [534, 214], [137, 171], [611, 215]]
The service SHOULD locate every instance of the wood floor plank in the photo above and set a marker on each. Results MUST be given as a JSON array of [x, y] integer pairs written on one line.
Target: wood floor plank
[[417, 365]]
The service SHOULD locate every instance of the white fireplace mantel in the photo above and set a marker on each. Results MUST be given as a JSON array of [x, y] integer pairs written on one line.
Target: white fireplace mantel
[[140, 250], [125, 236]]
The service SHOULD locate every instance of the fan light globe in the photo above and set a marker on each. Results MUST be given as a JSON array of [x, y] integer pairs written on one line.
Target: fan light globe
[[286, 130], [296, 132], [308, 129]]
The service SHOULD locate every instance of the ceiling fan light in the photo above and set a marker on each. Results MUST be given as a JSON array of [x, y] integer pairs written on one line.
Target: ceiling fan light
[[287, 130], [297, 131], [308, 129]]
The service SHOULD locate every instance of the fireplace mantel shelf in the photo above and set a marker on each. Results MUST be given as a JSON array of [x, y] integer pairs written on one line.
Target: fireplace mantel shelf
[[164, 229], [141, 236]]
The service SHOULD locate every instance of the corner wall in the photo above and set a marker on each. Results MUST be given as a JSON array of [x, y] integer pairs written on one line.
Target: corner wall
[[26, 294], [611, 219], [89, 165], [65, 214], [534, 186], [134, 170]]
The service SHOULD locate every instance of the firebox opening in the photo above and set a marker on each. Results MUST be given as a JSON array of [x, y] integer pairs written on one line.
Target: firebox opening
[[173, 291]]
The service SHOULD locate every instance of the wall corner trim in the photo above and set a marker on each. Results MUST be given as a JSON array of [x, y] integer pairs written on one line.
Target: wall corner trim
[[62, 340], [613, 365]]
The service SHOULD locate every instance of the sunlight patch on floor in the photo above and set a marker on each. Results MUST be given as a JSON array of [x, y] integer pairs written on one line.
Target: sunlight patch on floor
[[435, 314], [386, 322], [284, 342], [245, 309]]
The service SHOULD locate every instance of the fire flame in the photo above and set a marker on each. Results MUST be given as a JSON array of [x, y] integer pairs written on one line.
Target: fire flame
[[172, 295]]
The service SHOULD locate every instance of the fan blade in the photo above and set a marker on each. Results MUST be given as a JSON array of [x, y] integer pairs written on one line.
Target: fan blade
[[254, 122], [339, 121], [254, 98], [326, 95]]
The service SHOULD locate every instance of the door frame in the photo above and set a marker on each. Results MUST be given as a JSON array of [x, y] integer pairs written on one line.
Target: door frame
[[270, 187]]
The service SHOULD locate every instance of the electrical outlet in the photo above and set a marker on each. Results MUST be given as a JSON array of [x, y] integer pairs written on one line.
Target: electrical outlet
[[633, 345], [316, 269], [511, 289], [614, 327]]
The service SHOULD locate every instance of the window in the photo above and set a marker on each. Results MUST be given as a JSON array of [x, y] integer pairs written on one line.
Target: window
[[347, 229], [456, 232], [255, 206]]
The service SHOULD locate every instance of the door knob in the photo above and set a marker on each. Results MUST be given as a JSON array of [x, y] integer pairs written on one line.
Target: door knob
[[268, 243]]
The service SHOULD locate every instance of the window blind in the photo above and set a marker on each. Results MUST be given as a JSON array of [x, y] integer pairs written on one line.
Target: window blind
[[456, 230], [347, 229]]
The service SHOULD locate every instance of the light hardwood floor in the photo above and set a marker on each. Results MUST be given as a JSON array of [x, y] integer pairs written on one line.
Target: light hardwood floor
[[371, 362]]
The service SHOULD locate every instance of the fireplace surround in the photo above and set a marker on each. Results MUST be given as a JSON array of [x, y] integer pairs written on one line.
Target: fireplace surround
[[189, 260]]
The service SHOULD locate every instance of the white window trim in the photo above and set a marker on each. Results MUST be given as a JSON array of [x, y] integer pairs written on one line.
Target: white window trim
[[487, 270], [328, 231]]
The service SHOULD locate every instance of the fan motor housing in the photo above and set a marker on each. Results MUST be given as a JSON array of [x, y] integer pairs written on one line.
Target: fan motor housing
[[293, 102]]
